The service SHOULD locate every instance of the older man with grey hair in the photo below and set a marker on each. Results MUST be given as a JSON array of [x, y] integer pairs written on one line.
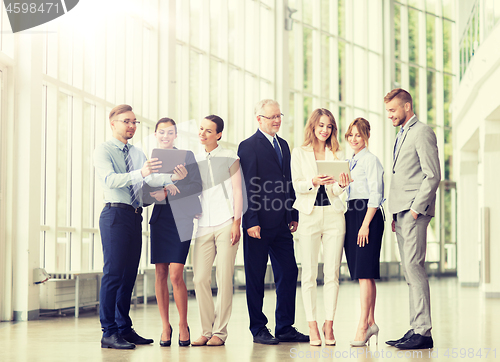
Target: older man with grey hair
[[268, 225]]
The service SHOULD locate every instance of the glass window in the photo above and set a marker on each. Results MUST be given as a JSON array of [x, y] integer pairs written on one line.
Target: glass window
[[414, 89], [447, 46], [194, 22], [341, 12], [307, 11], [430, 6], [375, 82], [342, 71], [431, 40], [182, 20], [448, 88], [194, 85], [215, 83], [325, 65], [413, 44], [265, 49], [63, 159], [448, 8], [292, 57], [360, 29], [308, 108], [360, 77], [397, 31], [325, 15], [375, 25], [308, 60], [215, 26], [431, 98]]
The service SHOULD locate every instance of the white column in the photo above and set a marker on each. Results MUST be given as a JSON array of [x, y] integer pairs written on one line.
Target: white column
[[468, 220], [26, 188], [490, 152]]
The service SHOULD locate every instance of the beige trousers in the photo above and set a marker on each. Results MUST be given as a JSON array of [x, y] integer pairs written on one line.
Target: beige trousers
[[325, 226], [211, 242]]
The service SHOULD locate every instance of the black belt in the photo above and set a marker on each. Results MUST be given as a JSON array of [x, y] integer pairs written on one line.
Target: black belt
[[125, 206]]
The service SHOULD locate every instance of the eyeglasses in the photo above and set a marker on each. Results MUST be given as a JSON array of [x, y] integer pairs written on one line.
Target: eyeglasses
[[127, 122], [273, 117]]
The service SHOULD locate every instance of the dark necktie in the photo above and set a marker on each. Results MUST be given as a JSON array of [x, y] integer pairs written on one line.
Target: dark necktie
[[134, 189], [278, 151]]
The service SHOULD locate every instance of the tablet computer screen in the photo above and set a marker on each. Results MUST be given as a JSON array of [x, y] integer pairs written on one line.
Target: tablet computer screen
[[333, 168], [169, 158]]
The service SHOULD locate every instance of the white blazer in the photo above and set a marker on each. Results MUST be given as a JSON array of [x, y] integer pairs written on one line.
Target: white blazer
[[304, 168]]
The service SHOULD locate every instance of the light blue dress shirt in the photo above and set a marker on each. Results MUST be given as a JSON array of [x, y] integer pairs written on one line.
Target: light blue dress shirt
[[111, 170], [368, 175]]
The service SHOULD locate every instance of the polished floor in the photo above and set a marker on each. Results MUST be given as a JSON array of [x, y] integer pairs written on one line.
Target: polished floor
[[466, 327]]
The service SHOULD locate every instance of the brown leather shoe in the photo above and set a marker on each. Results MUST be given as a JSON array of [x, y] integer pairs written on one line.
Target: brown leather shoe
[[215, 341], [200, 341]]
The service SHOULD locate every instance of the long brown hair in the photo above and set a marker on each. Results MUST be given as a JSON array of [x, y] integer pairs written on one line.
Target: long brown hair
[[310, 138]]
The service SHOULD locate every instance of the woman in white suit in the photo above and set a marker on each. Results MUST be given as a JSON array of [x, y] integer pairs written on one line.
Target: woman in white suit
[[321, 219]]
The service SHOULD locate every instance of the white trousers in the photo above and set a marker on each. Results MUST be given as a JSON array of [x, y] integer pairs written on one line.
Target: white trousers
[[325, 226], [211, 242]]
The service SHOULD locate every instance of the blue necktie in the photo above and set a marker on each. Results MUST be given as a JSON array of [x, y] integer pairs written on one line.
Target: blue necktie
[[134, 189], [352, 164], [278, 151], [398, 137]]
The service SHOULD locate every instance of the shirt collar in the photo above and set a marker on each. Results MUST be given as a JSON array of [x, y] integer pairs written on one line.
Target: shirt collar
[[213, 152], [120, 144], [360, 154], [269, 137]]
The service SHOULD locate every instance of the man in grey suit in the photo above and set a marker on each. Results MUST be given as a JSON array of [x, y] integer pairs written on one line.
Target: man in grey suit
[[412, 197]]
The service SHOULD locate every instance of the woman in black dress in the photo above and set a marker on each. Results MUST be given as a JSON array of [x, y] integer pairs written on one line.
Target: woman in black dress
[[171, 229], [364, 225]]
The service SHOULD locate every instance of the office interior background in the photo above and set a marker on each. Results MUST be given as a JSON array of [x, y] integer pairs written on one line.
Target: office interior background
[[186, 59]]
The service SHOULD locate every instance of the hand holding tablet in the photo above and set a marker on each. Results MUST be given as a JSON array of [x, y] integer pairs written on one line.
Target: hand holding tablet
[[335, 169]]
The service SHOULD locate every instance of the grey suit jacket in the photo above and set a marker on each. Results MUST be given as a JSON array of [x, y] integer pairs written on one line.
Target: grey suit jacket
[[415, 170]]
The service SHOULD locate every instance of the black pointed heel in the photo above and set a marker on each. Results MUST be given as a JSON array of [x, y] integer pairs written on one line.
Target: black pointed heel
[[185, 343], [166, 343]]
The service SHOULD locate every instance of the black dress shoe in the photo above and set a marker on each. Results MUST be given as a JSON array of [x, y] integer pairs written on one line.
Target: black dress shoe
[[187, 342], [416, 341], [116, 341], [293, 335], [402, 339], [264, 336], [134, 338], [166, 343]]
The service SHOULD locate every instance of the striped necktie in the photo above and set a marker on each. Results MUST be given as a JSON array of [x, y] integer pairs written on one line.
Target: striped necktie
[[134, 189], [352, 164]]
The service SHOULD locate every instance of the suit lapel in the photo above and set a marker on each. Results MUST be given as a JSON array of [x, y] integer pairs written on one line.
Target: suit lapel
[[403, 137]]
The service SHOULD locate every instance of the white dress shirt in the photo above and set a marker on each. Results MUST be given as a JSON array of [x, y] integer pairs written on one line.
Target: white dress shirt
[[215, 170]]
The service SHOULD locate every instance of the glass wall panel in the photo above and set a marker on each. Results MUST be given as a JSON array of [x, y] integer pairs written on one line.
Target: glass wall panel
[[431, 40], [326, 21], [360, 77], [308, 59], [413, 25], [63, 159], [341, 15], [375, 25], [414, 89], [194, 85], [342, 71], [360, 29], [325, 65], [431, 98], [397, 31], [215, 25], [195, 7], [447, 46]]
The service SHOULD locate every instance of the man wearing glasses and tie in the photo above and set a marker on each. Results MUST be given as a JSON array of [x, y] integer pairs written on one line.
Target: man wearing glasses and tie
[[268, 224], [121, 169]]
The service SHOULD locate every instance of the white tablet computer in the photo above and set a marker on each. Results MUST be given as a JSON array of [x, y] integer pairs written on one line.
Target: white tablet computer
[[333, 168], [169, 158]]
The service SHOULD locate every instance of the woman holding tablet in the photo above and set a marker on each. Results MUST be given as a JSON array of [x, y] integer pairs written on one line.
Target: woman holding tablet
[[321, 219], [364, 225], [218, 231], [171, 230]]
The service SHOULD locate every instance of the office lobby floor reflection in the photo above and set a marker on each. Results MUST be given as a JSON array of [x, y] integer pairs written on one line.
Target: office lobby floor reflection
[[465, 328]]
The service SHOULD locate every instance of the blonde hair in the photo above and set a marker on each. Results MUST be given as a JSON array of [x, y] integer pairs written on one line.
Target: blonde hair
[[310, 138], [122, 108], [363, 127]]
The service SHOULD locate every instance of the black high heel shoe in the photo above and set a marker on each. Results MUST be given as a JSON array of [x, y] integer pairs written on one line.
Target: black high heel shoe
[[166, 343], [185, 343]]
